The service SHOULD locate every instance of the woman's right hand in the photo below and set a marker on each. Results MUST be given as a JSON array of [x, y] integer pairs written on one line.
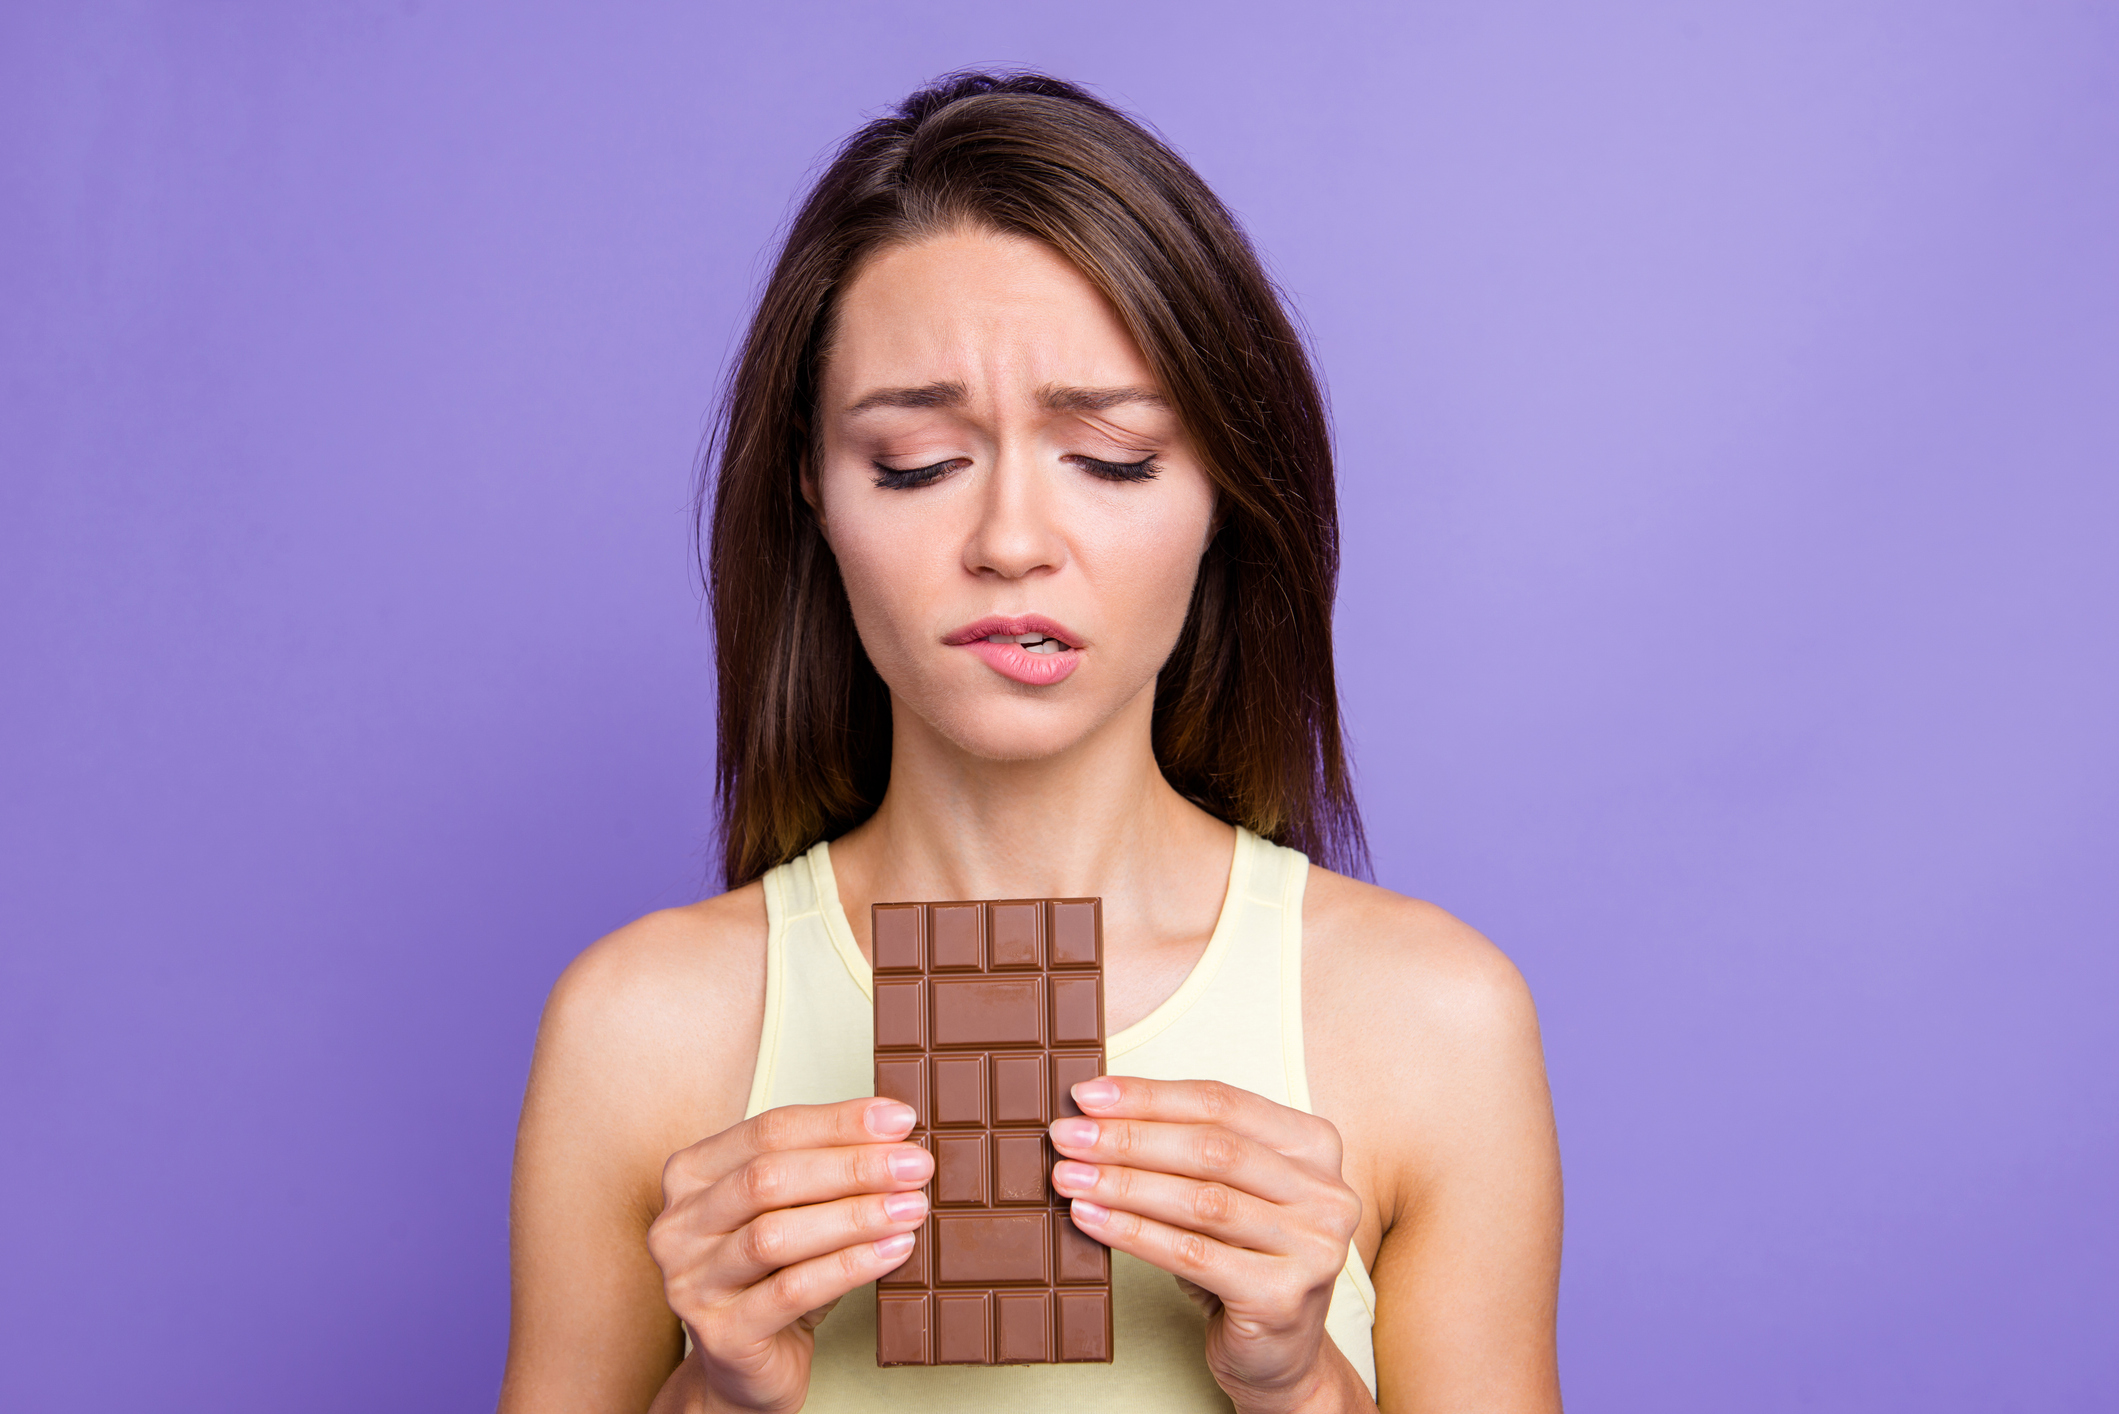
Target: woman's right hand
[[767, 1224]]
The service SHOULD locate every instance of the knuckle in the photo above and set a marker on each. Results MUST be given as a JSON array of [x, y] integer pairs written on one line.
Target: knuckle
[[1331, 1147], [771, 1129], [1119, 1139], [662, 1239], [764, 1242], [681, 1297], [1348, 1214], [762, 1181], [788, 1289], [688, 1171], [1213, 1204], [1216, 1151], [1193, 1252], [683, 1283], [1216, 1099]]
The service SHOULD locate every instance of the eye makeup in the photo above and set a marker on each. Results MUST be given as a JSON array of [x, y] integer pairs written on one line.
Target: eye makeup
[[890, 478], [1143, 470]]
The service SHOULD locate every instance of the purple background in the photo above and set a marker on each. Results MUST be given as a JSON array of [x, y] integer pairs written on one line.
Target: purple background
[[1729, 406]]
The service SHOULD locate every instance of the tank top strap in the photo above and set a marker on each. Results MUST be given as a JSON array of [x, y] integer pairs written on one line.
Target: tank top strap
[[814, 1044], [1238, 1017]]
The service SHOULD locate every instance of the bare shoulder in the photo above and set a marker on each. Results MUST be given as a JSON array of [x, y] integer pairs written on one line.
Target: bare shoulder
[[1420, 1036], [1368, 951], [650, 1034], [645, 1048]]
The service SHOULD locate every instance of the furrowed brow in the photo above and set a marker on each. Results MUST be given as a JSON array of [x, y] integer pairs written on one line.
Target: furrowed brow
[[933, 395], [1064, 399]]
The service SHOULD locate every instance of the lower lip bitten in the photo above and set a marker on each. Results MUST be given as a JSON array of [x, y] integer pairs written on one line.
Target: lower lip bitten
[[1040, 663]]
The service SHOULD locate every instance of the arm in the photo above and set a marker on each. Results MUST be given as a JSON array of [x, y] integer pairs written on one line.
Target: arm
[[749, 1235], [1423, 1044], [628, 1048]]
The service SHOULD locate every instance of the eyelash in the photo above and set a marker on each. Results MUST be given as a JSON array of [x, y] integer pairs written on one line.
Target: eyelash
[[1143, 470], [890, 478]]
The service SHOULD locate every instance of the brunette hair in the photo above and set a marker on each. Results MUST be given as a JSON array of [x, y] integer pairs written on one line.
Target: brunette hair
[[1246, 719]]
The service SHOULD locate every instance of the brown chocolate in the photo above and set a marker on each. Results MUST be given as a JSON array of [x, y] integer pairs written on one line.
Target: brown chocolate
[[986, 1015]]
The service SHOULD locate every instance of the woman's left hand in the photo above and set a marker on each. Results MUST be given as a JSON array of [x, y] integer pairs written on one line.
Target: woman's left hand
[[1240, 1199]]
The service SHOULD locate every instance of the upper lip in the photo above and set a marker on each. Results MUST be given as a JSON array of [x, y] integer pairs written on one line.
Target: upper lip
[[1014, 627]]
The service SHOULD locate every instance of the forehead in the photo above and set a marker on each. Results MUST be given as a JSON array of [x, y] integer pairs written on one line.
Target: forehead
[[981, 309]]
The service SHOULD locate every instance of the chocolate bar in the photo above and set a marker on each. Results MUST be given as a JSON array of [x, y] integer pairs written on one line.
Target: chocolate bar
[[987, 1014]]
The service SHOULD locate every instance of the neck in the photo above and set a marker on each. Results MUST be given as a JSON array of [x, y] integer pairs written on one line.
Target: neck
[[1097, 820]]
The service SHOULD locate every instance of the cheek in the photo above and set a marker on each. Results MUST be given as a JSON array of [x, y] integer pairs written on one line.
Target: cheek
[[1143, 566], [888, 578], [898, 563]]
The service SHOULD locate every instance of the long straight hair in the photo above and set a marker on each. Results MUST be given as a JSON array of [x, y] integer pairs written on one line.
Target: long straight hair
[[1246, 719]]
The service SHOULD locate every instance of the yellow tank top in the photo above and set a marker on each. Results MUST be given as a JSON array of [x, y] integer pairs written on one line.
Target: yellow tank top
[[1237, 1018]]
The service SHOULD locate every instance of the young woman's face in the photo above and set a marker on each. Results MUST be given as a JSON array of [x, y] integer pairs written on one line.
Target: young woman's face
[[1017, 515]]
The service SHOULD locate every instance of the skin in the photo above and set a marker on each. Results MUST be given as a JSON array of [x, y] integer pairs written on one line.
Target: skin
[[1432, 1148]]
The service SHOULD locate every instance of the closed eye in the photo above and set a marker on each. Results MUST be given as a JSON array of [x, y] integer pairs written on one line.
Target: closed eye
[[1143, 470], [890, 478]]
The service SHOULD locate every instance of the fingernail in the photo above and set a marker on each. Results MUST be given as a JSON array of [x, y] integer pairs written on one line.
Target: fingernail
[[891, 1247], [1074, 1133], [1074, 1175], [908, 1164], [1088, 1214], [901, 1206], [1095, 1094], [889, 1120]]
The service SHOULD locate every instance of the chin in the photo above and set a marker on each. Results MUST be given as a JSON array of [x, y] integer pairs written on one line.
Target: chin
[[1011, 730], [995, 721]]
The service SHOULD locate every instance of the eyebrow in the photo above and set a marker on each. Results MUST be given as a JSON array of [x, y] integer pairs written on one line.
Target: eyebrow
[[1056, 397], [933, 395], [1061, 399]]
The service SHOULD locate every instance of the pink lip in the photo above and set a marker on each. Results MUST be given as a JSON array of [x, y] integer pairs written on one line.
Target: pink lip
[[1010, 660]]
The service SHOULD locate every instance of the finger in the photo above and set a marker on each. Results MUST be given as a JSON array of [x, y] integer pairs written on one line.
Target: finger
[[780, 1179], [791, 1236], [1205, 1151], [1228, 1272], [863, 1121], [776, 1302], [1225, 1214], [1289, 1131]]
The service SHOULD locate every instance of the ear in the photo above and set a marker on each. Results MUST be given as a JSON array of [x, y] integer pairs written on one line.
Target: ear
[[806, 482]]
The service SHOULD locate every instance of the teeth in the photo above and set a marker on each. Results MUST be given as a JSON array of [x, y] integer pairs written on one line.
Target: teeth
[[1028, 642], [1039, 643]]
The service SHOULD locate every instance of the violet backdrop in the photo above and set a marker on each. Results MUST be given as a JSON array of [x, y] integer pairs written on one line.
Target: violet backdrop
[[1728, 404]]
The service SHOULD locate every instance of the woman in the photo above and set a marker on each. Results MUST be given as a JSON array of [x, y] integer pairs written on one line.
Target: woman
[[1022, 553]]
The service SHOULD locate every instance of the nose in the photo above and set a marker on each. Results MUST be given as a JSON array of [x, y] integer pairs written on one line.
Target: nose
[[1017, 533]]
